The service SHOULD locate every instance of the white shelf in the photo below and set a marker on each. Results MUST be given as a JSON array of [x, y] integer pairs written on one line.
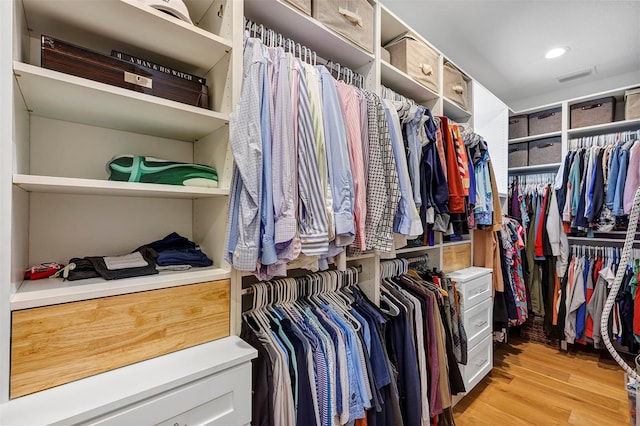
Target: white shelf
[[534, 169], [417, 249], [404, 84], [57, 95], [63, 185], [601, 129], [291, 23], [51, 291], [453, 111], [131, 23], [365, 255], [535, 137]]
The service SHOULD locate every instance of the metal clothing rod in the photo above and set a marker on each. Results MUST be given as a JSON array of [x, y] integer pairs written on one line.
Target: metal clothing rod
[[357, 268], [273, 38]]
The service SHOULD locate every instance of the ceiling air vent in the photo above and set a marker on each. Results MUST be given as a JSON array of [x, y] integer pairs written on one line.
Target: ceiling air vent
[[575, 75]]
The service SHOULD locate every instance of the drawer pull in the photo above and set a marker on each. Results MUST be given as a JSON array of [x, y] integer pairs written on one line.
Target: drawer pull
[[481, 362], [477, 292], [426, 69], [352, 17], [481, 323]]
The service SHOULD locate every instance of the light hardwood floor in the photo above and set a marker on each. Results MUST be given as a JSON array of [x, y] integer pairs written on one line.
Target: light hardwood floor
[[535, 384]]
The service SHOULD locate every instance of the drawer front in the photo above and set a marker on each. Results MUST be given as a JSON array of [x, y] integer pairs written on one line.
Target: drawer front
[[54, 345], [456, 257], [221, 399], [479, 364], [478, 322], [475, 291]]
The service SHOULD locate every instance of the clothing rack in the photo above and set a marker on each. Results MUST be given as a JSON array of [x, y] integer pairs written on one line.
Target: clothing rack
[[351, 274], [395, 96], [273, 38], [533, 179], [602, 140], [394, 267]]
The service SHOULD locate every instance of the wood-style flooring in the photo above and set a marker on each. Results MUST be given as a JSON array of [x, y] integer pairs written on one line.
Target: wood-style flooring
[[535, 384]]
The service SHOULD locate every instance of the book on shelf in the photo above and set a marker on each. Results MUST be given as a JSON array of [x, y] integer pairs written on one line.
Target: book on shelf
[[158, 67]]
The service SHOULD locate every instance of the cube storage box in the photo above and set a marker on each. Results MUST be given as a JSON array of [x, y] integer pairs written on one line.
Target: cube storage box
[[518, 154], [518, 126], [546, 121], [303, 5], [351, 18], [545, 151], [632, 104], [456, 85], [416, 58], [590, 113]]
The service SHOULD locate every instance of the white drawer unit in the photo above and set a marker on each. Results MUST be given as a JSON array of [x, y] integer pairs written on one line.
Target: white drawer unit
[[478, 321], [479, 363], [475, 285]]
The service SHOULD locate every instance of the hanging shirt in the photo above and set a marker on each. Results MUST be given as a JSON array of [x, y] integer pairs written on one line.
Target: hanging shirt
[[340, 176], [243, 240], [407, 221], [633, 178]]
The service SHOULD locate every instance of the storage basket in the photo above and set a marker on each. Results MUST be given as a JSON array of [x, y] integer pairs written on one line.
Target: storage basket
[[632, 104], [518, 126], [590, 113], [546, 121], [415, 58], [545, 151], [303, 5], [518, 154], [385, 55], [533, 330], [351, 18], [456, 86]]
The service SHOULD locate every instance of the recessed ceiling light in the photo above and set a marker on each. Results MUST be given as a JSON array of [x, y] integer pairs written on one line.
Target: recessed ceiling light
[[556, 52]]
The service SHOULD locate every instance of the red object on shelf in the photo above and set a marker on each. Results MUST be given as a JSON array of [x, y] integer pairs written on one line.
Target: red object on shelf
[[42, 271]]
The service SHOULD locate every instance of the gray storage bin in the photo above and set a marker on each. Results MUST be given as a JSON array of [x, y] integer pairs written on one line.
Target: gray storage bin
[[518, 126], [632, 104], [547, 121], [518, 154], [590, 113], [385, 55], [456, 86], [303, 5], [416, 58], [545, 151], [351, 18]]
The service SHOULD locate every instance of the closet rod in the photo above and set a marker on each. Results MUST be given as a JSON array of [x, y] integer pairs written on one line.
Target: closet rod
[[358, 268], [603, 140], [273, 38]]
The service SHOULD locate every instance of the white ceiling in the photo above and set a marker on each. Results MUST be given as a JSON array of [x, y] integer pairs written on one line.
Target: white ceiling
[[501, 44]]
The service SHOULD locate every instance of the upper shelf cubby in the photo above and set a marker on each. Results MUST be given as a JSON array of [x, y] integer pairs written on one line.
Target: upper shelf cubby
[[129, 26], [302, 28]]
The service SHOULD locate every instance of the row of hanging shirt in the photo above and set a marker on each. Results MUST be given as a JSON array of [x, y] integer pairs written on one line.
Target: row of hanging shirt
[[321, 165], [590, 275], [597, 181], [328, 356]]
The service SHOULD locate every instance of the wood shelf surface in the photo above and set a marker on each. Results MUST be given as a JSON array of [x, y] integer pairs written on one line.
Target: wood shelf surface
[[63, 185], [133, 23], [51, 291], [57, 95]]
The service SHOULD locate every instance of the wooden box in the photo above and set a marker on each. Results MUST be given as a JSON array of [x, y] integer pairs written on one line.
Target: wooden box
[[416, 59], [80, 62], [547, 121], [353, 19], [54, 345], [456, 86], [456, 257], [590, 113]]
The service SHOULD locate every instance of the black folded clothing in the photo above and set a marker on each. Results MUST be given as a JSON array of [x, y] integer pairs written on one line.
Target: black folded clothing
[[140, 262], [108, 273], [175, 249]]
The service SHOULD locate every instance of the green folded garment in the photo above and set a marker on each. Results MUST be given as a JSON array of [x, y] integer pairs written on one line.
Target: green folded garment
[[136, 168]]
